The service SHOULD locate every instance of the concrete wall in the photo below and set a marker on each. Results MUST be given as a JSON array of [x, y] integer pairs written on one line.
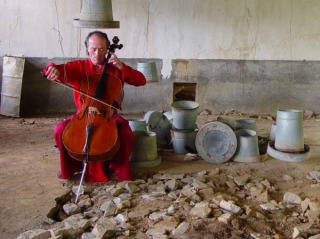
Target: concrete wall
[[243, 54]]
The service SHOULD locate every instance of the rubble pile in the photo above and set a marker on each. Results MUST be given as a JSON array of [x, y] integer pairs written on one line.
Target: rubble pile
[[208, 204]]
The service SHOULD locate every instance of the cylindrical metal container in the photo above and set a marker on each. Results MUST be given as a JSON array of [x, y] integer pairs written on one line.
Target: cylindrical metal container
[[273, 132], [216, 142], [144, 147], [245, 124], [138, 124], [149, 70], [289, 131], [228, 120], [183, 141], [184, 114], [248, 147], [13, 67]]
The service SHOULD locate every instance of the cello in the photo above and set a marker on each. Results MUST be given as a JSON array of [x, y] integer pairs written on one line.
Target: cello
[[92, 134]]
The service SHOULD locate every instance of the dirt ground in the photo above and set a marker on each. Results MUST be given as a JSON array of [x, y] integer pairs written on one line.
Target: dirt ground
[[29, 164]]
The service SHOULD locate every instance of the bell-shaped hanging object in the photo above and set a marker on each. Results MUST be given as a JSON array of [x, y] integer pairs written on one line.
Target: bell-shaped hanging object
[[149, 70], [96, 14]]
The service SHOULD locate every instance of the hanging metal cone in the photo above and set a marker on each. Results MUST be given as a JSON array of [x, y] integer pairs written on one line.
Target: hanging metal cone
[[149, 70], [96, 14]]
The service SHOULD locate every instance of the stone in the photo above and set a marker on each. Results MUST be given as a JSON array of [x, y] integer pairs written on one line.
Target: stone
[[110, 209], [171, 185], [201, 210], [115, 192], [206, 194], [225, 218], [71, 209], [255, 191], [88, 235], [157, 216], [314, 237], [315, 175], [314, 206], [131, 187], [263, 197], [171, 209], [191, 157], [270, 207], [241, 180], [300, 229], [198, 225], [231, 207], [76, 223], [236, 223], [289, 197], [103, 230], [305, 204], [287, 178], [35, 234], [153, 232], [122, 218], [181, 229], [197, 184], [307, 114], [86, 203], [313, 217], [121, 203]]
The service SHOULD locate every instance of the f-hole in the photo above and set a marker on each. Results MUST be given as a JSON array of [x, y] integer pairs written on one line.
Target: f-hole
[[184, 91]]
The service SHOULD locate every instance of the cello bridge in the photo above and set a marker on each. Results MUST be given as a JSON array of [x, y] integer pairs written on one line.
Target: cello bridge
[[93, 110]]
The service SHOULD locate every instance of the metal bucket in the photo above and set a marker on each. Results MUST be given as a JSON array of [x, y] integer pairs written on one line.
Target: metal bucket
[[144, 150], [13, 66], [228, 120], [248, 147], [169, 116], [289, 131], [149, 70], [245, 124], [137, 125], [273, 132], [183, 141], [184, 114]]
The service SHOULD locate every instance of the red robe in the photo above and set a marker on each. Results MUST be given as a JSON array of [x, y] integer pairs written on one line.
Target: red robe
[[74, 73]]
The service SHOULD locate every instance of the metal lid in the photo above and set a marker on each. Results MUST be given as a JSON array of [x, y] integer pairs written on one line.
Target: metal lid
[[158, 123], [216, 142]]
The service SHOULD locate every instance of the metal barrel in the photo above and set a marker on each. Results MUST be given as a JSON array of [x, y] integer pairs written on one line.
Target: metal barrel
[[13, 66], [184, 114], [289, 131]]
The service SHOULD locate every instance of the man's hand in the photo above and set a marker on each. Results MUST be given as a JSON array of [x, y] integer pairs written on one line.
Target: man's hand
[[114, 60], [52, 74]]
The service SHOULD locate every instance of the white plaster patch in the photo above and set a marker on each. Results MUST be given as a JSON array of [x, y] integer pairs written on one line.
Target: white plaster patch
[[167, 68]]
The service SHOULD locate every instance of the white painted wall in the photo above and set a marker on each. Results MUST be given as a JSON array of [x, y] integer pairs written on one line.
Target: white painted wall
[[176, 29]]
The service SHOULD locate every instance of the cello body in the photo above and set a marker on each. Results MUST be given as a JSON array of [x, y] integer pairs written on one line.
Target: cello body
[[92, 134]]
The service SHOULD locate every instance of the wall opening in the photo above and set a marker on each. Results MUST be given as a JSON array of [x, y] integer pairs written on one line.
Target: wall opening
[[184, 91]]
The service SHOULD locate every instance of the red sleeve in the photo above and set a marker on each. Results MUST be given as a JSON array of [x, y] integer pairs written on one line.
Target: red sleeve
[[69, 72], [132, 76]]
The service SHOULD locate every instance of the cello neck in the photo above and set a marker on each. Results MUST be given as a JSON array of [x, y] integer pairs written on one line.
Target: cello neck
[[100, 86]]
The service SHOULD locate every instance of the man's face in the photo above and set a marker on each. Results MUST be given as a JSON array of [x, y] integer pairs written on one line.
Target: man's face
[[97, 49]]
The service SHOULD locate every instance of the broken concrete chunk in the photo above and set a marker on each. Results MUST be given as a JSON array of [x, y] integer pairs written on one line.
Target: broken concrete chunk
[[201, 210], [289, 197], [225, 218], [181, 229], [231, 207], [34, 234], [71, 209], [131, 187]]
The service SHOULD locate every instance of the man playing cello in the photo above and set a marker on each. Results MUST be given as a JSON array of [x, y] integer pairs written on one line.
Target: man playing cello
[[75, 73]]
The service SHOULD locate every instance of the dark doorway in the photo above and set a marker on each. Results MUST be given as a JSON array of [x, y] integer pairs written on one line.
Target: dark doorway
[[184, 91]]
